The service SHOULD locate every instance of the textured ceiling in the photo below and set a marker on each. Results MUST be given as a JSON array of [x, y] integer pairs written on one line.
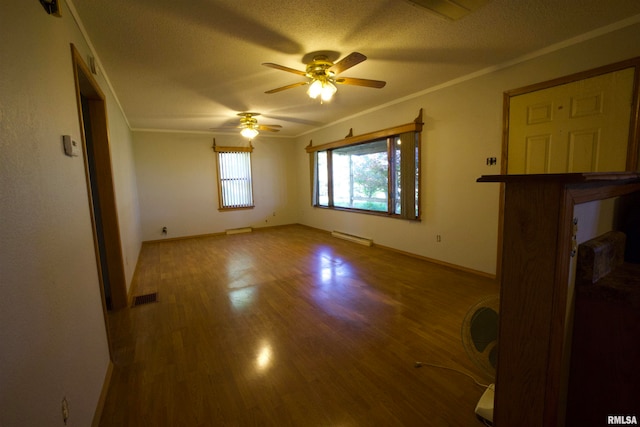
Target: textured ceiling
[[193, 65]]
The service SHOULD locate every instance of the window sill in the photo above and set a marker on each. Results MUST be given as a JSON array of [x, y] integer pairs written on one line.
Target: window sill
[[366, 212], [243, 208]]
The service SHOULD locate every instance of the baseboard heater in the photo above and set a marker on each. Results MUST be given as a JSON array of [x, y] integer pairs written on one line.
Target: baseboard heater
[[239, 230], [350, 237]]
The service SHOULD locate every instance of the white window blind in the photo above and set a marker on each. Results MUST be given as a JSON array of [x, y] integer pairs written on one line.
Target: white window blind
[[235, 186]]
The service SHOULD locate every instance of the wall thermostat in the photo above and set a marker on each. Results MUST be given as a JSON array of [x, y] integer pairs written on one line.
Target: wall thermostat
[[71, 147]]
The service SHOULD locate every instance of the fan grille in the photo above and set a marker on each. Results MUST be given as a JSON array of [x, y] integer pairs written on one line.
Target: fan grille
[[480, 333]]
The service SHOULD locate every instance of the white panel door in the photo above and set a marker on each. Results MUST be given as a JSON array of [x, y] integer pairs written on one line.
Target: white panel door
[[581, 126]]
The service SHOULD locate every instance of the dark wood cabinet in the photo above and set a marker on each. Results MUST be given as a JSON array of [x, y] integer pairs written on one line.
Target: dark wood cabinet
[[538, 240]]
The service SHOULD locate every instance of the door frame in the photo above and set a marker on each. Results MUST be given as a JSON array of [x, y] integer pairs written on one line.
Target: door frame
[[105, 199], [634, 126]]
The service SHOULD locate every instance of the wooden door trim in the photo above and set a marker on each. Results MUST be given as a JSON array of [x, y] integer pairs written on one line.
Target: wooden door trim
[[86, 85]]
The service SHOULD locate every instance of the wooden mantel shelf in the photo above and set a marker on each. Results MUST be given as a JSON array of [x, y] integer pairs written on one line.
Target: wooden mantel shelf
[[538, 237], [567, 178]]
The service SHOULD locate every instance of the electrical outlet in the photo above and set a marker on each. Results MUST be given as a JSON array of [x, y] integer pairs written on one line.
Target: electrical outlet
[[438, 238], [65, 410]]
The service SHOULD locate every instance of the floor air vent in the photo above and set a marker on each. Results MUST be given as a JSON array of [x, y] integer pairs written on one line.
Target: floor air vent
[[145, 299]]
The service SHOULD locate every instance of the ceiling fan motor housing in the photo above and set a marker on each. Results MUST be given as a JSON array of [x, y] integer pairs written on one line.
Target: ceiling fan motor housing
[[247, 120], [318, 68]]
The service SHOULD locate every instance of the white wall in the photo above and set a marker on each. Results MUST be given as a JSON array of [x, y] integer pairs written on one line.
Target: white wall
[[463, 126], [176, 175], [52, 332]]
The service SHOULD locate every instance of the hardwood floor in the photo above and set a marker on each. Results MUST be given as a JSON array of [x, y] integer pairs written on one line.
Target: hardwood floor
[[292, 327]]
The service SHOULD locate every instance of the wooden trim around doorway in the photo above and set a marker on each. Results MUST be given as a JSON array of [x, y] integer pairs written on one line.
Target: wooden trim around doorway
[[87, 87]]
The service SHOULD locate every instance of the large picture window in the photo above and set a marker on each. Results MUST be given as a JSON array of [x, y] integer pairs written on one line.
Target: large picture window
[[235, 187], [380, 175], [361, 176]]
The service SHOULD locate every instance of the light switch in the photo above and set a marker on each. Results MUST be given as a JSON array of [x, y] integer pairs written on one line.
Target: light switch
[[71, 147]]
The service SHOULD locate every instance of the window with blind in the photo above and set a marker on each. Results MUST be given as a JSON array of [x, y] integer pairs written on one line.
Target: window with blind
[[376, 173], [235, 186]]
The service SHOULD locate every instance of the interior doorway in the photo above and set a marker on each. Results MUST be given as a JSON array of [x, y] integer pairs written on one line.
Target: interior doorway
[[104, 215], [93, 179]]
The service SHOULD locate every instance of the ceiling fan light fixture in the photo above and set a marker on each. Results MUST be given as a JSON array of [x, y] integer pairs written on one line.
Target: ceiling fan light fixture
[[322, 75], [315, 89], [249, 133], [328, 90], [322, 88]]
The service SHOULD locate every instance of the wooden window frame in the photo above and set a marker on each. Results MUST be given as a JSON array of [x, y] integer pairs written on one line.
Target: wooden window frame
[[389, 135]]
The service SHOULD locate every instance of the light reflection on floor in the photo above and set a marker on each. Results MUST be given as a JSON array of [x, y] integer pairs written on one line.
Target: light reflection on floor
[[335, 293], [242, 298], [265, 356], [331, 267]]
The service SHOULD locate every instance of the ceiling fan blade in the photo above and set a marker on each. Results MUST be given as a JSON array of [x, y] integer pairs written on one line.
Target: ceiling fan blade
[[270, 128], [287, 87], [347, 62], [283, 68], [361, 82]]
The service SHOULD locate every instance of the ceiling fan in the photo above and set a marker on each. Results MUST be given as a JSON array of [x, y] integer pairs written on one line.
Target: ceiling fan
[[323, 76], [249, 125]]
